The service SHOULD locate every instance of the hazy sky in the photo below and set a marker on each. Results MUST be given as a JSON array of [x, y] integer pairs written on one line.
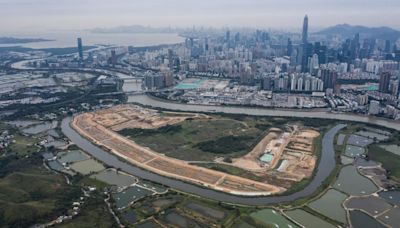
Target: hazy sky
[[19, 15]]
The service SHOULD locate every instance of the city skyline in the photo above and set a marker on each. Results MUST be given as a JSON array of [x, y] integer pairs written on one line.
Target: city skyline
[[45, 14], [200, 113]]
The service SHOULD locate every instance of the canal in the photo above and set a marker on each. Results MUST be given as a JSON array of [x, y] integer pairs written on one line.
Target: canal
[[253, 111], [325, 167]]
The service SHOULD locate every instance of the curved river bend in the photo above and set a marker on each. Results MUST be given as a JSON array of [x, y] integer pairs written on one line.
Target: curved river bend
[[326, 165]]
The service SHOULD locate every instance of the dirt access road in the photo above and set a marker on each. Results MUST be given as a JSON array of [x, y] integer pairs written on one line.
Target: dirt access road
[[145, 158]]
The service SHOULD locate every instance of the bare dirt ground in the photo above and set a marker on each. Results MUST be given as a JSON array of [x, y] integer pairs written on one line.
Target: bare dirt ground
[[94, 126], [251, 160], [128, 116], [293, 153]]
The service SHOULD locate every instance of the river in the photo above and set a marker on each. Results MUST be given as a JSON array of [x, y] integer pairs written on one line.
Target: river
[[157, 103], [326, 165]]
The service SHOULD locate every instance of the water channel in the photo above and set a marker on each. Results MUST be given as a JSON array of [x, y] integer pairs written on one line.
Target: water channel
[[326, 165]]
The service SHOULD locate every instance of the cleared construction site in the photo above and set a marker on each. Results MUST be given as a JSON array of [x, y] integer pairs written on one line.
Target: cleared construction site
[[288, 153]]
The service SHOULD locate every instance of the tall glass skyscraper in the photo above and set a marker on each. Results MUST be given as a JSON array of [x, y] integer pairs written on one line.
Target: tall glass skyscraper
[[80, 48], [304, 45], [305, 30]]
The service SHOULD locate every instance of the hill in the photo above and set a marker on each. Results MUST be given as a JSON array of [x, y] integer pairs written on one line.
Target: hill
[[348, 31]]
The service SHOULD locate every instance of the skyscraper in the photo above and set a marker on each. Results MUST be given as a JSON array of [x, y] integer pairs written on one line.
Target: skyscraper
[[304, 44], [384, 82], [80, 48], [304, 36], [329, 77], [113, 58], [387, 46], [289, 48], [354, 48]]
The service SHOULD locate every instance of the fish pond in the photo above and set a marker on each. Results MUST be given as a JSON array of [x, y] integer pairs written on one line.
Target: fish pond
[[353, 183]]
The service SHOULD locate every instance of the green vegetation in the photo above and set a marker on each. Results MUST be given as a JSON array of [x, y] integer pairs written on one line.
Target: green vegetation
[[87, 181], [94, 214], [185, 208], [202, 139], [225, 145], [31, 194], [136, 132], [23, 145], [390, 161], [272, 218]]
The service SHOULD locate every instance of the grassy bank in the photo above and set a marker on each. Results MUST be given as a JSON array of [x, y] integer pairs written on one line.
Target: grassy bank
[[31, 194], [202, 139], [390, 161]]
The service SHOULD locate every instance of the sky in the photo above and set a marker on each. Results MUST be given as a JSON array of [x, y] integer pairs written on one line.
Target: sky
[[31, 15]]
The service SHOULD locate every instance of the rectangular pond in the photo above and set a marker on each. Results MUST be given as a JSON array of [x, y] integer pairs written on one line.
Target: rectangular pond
[[373, 135], [354, 151], [353, 183], [273, 218], [180, 220], [55, 165], [357, 140], [111, 177], [330, 205], [71, 156], [87, 166], [371, 204], [307, 220], [206, 211], [391, 217], [360, 219], [393, 197], [129, 195]]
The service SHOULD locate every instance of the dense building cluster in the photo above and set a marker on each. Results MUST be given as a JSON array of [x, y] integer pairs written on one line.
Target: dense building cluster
[[353, 73]]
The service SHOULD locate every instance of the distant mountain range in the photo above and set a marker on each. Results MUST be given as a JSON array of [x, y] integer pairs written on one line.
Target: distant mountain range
[[12, 40], [348, 31], [343, 30]]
